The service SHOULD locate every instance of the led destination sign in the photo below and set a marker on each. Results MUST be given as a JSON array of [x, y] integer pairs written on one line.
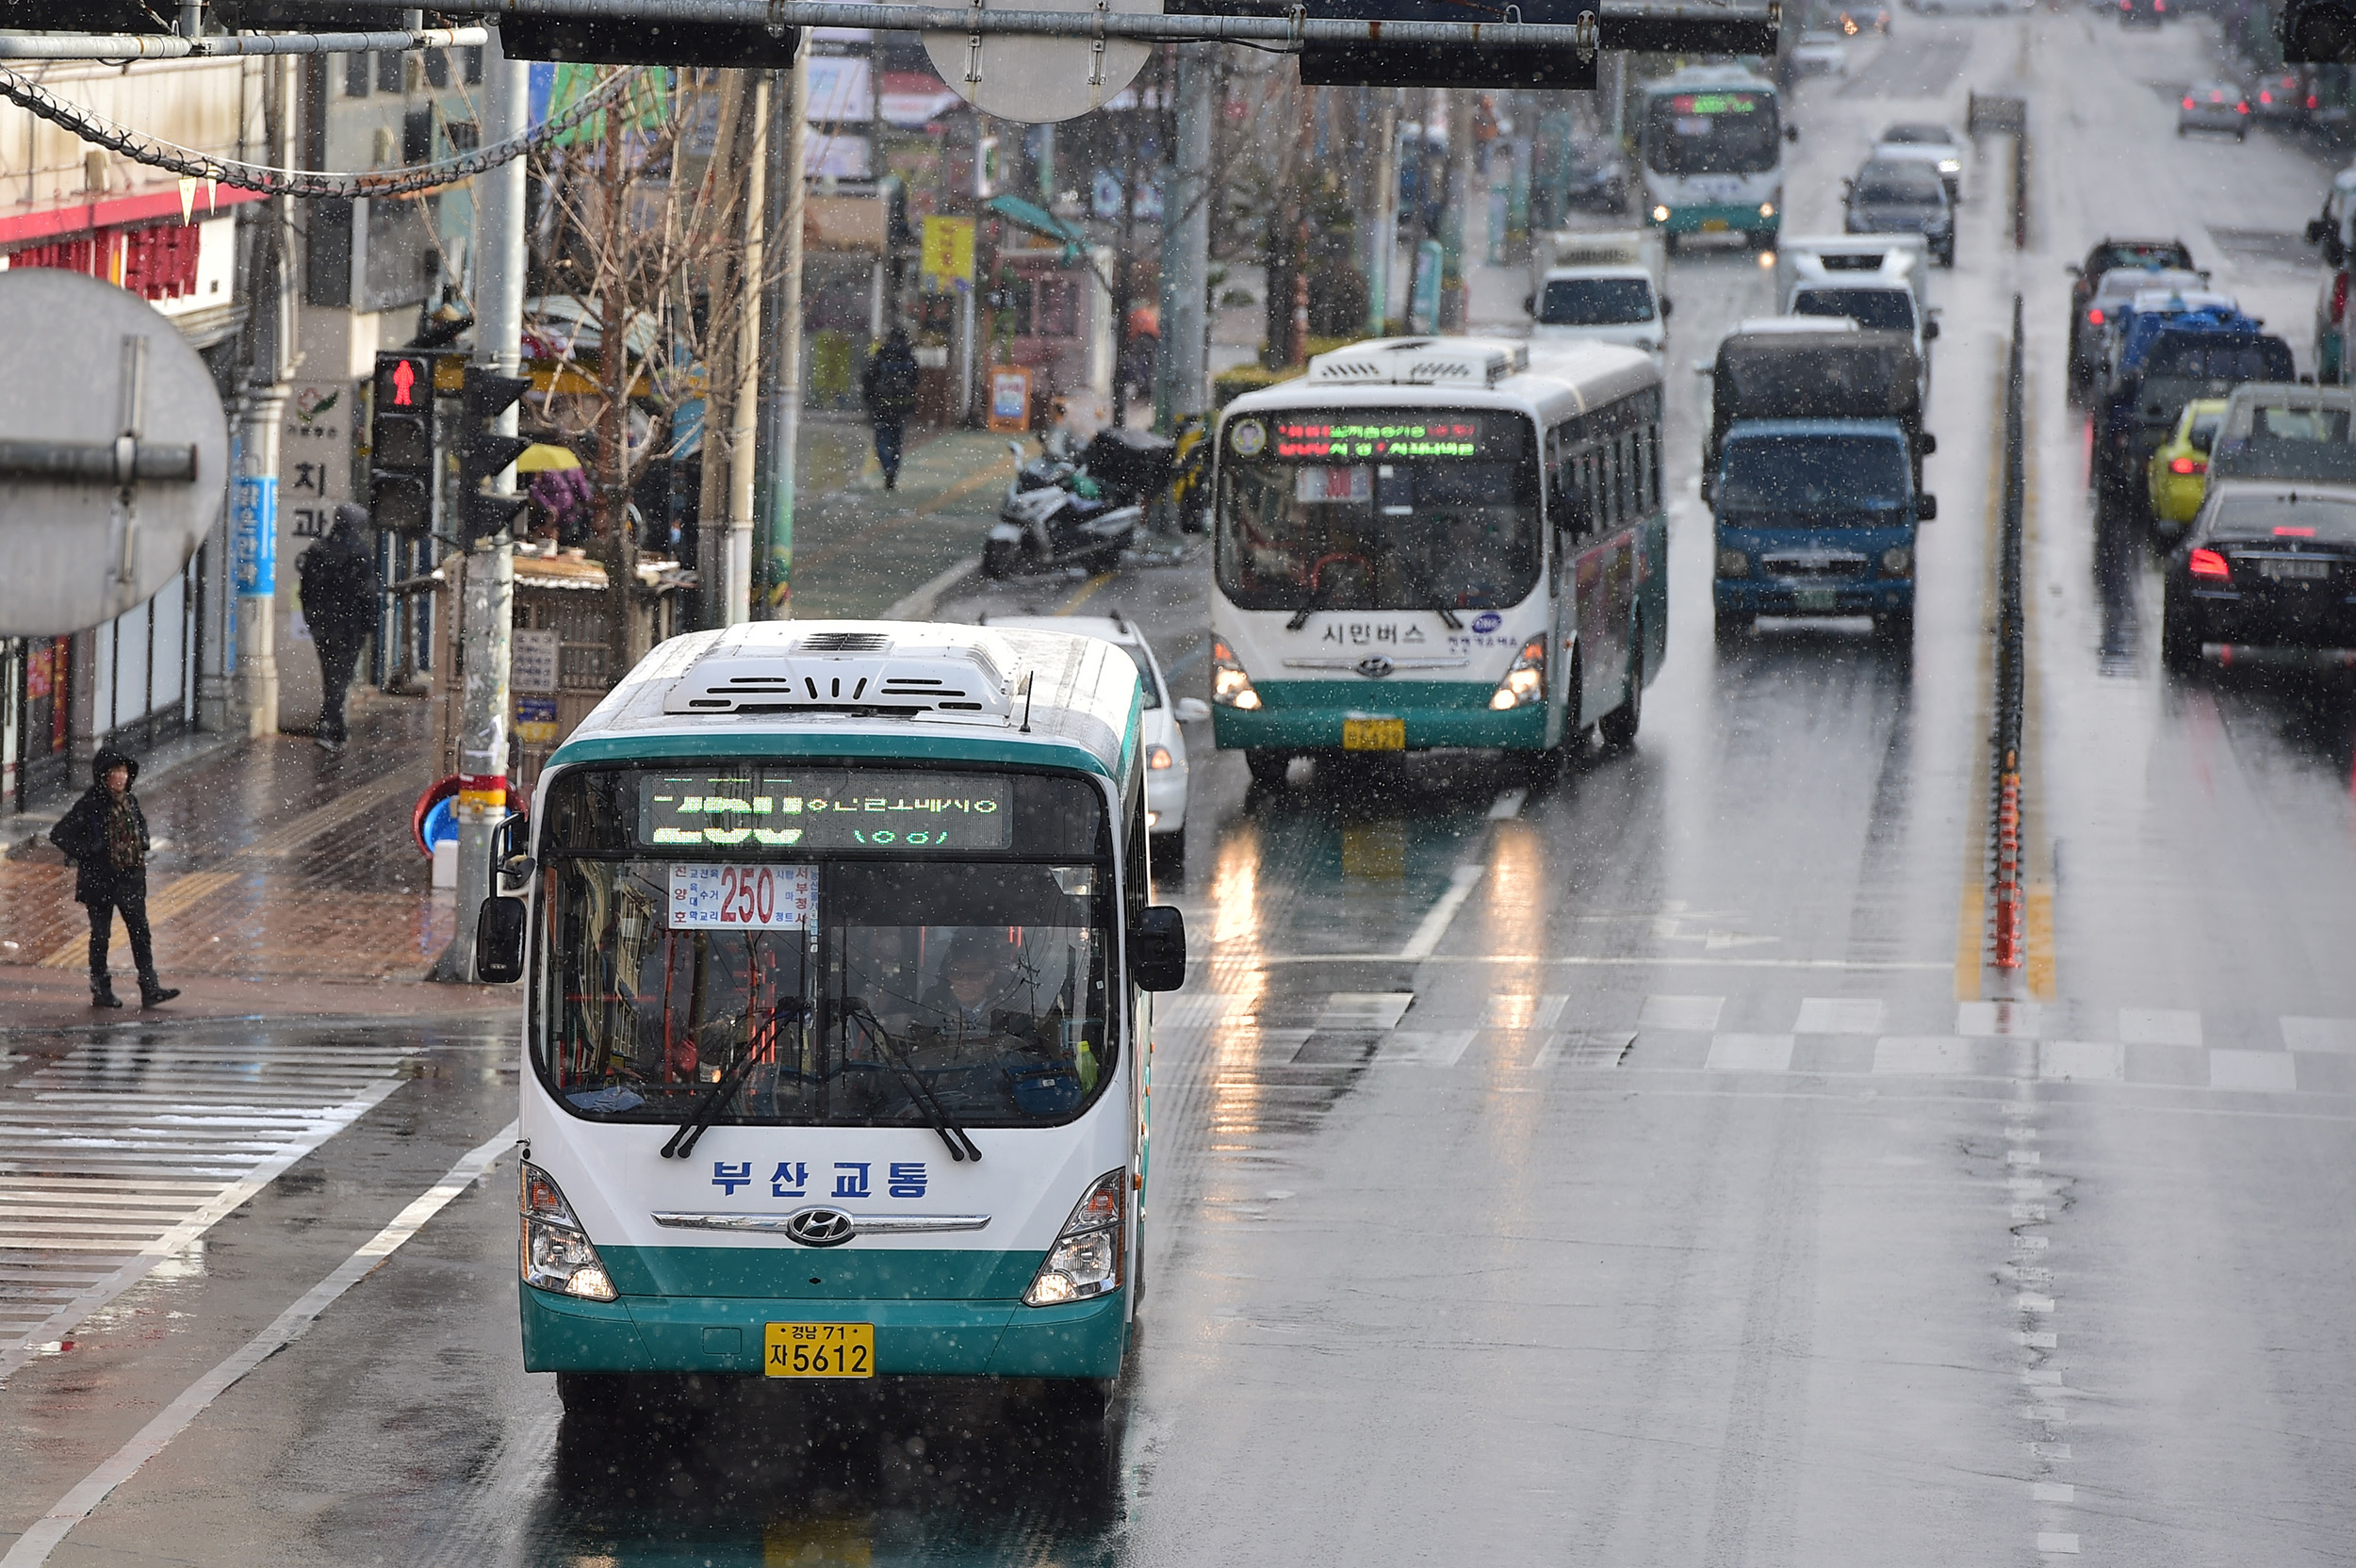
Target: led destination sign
[[1379, 436], [826, 810]]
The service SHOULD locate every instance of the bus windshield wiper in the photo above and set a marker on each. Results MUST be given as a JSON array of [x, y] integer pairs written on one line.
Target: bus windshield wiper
[[1309, 606], [1447, 618], [690, 1132], [935, 1116]]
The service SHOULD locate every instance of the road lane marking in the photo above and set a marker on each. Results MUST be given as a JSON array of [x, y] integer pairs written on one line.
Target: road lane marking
[[1585, 1048], [1375, 1010], [1523, 1011], [1426, 1047], [1839, 1015], [34, 1546], [2082, 1059], [2053, 1492], [1992, 1020], [2265, 1072], [1508, 805], [2047, 1541], [1462, 882], [1680, 1012], [1085, 591]]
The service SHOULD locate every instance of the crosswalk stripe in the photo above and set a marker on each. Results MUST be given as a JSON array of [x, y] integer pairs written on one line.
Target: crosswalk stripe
[[1750, 1053], [111, 1161], [1697, 1013]]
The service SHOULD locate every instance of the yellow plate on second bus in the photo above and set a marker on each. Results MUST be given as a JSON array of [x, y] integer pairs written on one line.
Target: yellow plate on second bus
[[820, 1350], [1374, 734]]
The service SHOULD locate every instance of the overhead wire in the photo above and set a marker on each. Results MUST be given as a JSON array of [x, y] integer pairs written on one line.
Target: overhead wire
[[156, 153]]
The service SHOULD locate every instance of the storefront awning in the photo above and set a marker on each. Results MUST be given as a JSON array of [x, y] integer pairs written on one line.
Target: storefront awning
[[1038, 220]]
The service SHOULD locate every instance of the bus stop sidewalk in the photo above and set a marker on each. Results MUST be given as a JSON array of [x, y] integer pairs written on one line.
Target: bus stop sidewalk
[[284, 881]]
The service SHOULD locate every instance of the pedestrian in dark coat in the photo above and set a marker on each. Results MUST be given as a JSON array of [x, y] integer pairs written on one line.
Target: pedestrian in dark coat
[[889, 385], [340, 591], [105, 835]]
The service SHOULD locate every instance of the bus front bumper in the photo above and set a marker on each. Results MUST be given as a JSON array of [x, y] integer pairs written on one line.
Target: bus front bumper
[[1307, 716], [1717, 217], [725, 1334]]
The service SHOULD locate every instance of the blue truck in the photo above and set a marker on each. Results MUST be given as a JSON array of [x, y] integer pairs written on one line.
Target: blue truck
[[1814, 472]]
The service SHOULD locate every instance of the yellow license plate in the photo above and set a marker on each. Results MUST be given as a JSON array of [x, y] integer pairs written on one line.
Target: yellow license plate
[[1374, 734], [1714, 225], [820, 1350]]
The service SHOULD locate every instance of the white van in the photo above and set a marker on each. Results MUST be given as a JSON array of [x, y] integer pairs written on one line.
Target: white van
[[1598, 287], [1881, 282]]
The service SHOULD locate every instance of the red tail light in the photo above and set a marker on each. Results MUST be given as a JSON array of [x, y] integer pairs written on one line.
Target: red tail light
[[2094, 317], [2187, 465], [2187, 101], [2266, 95], [2294, 533], [2242, 107], [2210, 563], [2310, 100], [2339, 295]]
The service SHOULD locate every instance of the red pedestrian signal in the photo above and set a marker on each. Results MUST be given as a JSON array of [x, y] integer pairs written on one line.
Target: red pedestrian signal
[[401, 471], [405, 382]]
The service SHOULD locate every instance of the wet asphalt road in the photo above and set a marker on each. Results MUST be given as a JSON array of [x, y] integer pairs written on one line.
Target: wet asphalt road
[[1683, 1193]]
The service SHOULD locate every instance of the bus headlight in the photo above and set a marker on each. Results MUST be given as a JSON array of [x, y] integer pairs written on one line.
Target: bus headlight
[[1086, 1258], [1158, 760], [1766, 209], [1230, 686], [557, 1255], [1733, 564], [1525, 683], [1660, 215], [1898, 560]]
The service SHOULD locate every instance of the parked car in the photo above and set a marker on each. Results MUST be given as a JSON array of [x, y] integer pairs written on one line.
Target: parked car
[[2213, 106], [2266, 565]]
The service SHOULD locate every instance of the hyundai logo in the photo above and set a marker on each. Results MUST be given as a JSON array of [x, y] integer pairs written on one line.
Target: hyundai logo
[[821, 1227], [1374, 666]]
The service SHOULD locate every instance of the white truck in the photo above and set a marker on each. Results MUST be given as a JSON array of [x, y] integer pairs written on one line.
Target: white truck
[[1880, 281], [1603, 287]]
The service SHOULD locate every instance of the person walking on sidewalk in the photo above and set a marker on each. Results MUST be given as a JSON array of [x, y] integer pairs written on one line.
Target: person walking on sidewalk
[[888, 385], [341, 593], [105, 835]]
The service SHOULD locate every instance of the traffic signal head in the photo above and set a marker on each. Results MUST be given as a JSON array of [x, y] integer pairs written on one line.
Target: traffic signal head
[[2319, 32], [484, 453], [400, 444]]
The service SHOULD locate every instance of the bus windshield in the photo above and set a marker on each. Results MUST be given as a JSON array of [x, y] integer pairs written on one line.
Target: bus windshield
[[1379, 509], [844, 947], [1812, 473], [1713, 133], [1874, 309]]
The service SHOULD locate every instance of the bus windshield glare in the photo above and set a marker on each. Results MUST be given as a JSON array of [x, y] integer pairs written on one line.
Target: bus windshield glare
[[860, 942], [1713, 133], [1379, 509]]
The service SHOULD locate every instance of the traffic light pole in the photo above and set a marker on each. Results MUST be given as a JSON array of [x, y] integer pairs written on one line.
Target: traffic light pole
[[487, 606]]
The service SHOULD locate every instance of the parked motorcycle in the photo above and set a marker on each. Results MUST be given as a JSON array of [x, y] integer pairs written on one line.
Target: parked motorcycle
[[1060, 513]]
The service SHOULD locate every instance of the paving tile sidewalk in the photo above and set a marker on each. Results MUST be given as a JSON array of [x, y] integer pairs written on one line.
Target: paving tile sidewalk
[[284, 881]]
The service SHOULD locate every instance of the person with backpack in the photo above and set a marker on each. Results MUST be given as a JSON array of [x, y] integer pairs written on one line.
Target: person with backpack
[[105, 835], [340, 592], [888, 385]]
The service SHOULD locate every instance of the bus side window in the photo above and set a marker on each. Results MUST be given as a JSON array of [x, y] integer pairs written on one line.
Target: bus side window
[[1652, 432]]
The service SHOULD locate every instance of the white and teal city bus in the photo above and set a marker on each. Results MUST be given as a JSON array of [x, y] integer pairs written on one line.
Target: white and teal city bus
[[1435, 542], [833, 1054], [1709, 139]]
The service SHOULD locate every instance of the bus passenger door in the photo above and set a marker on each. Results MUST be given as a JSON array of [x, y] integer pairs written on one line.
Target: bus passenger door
[[1606, 579]]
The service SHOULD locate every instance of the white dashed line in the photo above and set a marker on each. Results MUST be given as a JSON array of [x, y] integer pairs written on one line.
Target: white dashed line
[[1435, 924], [2049, 1541], [1839, 1015], [1697, 1013], [1749, 1053]]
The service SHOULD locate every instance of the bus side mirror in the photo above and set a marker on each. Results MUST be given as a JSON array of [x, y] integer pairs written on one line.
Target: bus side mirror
[[1530, 304], [1925, 508], [1930, 330], [1925, 443], [1666, 305], [1158, 950], [499, 942], [1791, 133]]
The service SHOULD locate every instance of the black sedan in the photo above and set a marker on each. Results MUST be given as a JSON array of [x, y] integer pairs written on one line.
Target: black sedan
[[1889, 197], [2266, 565]]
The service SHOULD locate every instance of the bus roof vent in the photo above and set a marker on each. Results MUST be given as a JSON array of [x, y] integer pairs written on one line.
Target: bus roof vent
[[774, 667], [1422, 362]]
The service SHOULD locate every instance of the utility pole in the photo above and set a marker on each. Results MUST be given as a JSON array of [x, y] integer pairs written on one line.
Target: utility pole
[[1186, 251], [773, 587], [1454, 292], [270, 364], [486, 608]]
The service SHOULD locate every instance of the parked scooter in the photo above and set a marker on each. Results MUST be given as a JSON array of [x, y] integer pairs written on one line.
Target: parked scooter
[[1060, 513]]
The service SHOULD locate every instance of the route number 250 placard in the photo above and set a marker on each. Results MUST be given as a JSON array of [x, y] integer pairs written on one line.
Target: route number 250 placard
[[755, 898]]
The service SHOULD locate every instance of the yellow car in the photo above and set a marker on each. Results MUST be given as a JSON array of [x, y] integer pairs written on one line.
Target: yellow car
[[2178, 476]]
